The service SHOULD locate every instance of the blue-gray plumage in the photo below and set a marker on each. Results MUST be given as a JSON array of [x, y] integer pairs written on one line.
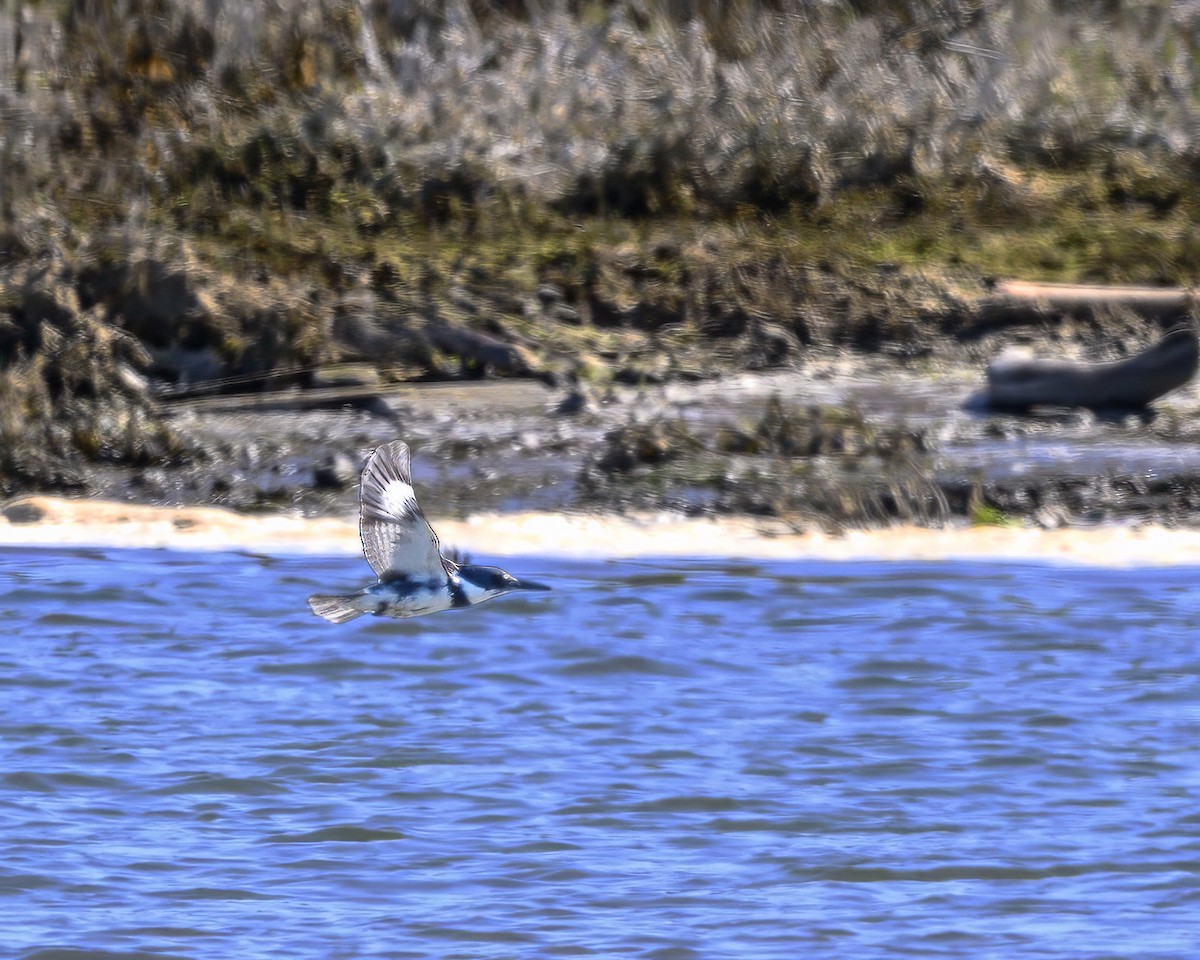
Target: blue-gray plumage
[[403, 550]]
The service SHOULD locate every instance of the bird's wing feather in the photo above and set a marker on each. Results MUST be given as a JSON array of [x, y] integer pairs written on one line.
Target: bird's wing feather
[[396, 537]]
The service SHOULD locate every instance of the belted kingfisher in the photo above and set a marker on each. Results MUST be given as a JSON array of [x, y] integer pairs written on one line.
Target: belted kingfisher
[[403, 550]]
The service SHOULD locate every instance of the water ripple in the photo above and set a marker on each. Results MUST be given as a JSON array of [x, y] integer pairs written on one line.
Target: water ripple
[[658, 759]]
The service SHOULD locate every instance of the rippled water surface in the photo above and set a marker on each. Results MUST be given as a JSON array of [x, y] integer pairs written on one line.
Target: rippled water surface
[[659, 759]]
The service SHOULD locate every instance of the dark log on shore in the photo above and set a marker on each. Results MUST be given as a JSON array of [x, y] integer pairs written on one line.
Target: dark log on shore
[[370, 399], [1019, 382]]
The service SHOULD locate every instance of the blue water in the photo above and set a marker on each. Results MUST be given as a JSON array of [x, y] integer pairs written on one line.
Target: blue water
[[659, 759]]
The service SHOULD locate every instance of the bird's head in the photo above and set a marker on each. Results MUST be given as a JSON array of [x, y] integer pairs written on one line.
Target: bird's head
[[482, 583]]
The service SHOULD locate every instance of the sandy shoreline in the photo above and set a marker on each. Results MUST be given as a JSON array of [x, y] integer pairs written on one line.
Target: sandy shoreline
[[54, 521]]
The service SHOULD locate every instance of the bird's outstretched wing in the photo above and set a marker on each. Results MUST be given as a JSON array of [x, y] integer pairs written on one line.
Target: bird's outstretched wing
[[396, 537]]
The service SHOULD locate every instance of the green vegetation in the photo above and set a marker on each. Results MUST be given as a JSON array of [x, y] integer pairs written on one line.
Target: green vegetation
[[986, 515]]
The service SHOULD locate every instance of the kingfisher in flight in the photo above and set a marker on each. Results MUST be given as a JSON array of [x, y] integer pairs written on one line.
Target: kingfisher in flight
[[401, 547]]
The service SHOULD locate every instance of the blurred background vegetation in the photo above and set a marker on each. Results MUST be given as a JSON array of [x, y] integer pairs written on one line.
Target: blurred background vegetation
[[198, 189]]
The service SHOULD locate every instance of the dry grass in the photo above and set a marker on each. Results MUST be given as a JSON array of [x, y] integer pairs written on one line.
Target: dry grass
[[451, 113]]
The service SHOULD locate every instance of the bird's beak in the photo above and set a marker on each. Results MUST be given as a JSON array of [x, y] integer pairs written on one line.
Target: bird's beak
[[529, 585]]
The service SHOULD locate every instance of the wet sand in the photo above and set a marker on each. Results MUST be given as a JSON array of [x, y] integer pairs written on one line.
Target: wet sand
[[60, 522]]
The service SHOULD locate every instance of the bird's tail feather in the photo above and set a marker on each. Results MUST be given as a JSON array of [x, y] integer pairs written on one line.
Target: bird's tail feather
[[335, 609]]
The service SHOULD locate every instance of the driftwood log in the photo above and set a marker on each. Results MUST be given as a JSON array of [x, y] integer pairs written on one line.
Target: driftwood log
[[1016, 302], [1018, 381]]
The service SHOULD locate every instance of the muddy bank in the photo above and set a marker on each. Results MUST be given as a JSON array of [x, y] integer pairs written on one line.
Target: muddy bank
[[834, 444], [803, 394], [217, 233]]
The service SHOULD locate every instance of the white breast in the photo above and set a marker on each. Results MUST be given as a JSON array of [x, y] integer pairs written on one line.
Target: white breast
[[407, 598]]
